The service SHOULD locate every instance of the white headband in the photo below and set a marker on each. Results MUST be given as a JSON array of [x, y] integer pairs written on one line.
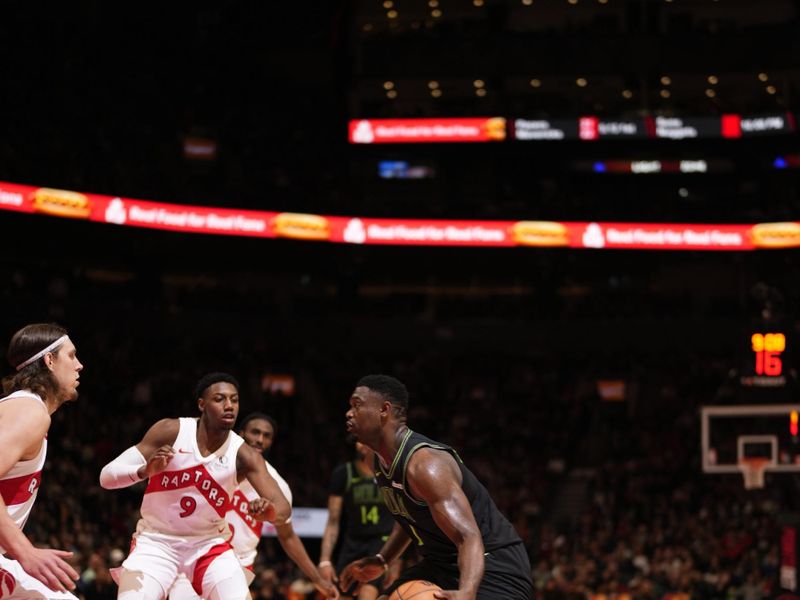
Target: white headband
[[41, 353]]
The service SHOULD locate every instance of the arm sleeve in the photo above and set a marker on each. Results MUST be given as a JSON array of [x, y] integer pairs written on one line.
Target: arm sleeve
[[123, 470]]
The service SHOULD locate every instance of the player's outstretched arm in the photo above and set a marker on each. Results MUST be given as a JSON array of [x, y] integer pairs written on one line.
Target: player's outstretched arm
[[23, 425], [272, 505], [370, 567], [295, 549], [329, 537], [434, 476], [145, 459]]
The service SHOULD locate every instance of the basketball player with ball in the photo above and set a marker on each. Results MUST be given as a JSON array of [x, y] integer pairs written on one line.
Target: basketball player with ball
[[46, 376], [470, 551]]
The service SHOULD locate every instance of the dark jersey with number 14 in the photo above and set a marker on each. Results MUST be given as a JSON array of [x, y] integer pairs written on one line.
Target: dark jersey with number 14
[[362, 504], [415, 516]]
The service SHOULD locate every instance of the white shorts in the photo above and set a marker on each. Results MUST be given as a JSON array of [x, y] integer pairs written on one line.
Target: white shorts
[[204, 562], [182, 588], [16, 584]]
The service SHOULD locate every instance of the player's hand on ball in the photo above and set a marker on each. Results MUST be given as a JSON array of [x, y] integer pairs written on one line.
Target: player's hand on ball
[[158, 461], [262, 509], [361, 570]]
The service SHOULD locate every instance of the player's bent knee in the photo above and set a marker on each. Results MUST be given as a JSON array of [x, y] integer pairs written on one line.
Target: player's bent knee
[[368, 592], [229, 589], [136, 585]]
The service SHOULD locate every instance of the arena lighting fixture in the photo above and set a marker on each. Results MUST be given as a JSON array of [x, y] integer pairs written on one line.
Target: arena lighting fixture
[[581, 82], [763, 77], [710, 93], [627, 94], [433, 85], [392, 14], [573, 2], [713, 79], [391, 94], [527, 2], [433, 3], [664, 93], [603, 1], [477, 3], [480, 92], [535, 83], [771, 90], [437, 93], [478, 83], [388, 4], [683, 192], [666, 80], [388, 85], [436, 13]]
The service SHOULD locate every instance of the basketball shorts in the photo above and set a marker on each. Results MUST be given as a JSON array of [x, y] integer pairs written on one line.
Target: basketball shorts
[[16, 584], [506, 575], [205, 562], [355, 548], [182, 588]]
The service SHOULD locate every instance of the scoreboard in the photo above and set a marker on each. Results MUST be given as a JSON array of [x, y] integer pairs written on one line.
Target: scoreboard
[[765, 365]]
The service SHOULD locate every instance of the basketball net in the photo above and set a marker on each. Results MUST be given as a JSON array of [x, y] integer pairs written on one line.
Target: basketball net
[[753, 469]]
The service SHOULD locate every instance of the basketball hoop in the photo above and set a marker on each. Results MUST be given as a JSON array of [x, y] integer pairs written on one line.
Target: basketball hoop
[[753, 468]]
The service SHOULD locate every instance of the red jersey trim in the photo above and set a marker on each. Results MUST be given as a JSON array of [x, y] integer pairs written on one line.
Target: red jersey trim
[[19, 490], [204, 562], [241, 506], [197, 477]]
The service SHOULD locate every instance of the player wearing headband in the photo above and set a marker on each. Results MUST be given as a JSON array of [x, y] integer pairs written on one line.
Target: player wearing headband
[[47, 373]]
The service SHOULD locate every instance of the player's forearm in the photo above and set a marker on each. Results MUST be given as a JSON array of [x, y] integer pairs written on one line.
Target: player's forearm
[[283, 510], [470, 564], [12, 540], [293, 546], [125, 470], [329, 537], [394, 546]]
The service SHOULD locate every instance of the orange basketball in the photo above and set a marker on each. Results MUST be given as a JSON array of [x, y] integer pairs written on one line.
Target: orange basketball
[[417, 589], [7, 583]]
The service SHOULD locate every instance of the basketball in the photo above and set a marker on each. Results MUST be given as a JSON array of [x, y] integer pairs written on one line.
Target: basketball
[[7, 583], [417, 589]]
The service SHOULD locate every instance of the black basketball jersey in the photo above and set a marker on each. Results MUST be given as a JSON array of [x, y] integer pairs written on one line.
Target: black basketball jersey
[[364, 513], [415, 516]]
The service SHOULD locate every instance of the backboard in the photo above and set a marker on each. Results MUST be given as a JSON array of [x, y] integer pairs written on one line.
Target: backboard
[[733, 436]]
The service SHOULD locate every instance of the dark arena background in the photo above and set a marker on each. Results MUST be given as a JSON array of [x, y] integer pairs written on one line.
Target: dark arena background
[[569, 226]]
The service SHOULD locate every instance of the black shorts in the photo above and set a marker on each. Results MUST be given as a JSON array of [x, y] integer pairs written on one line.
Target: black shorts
[[355, 548], [506, 575]]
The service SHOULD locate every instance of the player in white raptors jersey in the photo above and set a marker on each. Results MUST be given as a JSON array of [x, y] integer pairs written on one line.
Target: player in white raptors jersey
[[47, 372], [193, 467], [258, 431]]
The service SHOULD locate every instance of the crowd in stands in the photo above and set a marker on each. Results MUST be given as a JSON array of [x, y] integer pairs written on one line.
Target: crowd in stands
[[500, 349], [651, 525]]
